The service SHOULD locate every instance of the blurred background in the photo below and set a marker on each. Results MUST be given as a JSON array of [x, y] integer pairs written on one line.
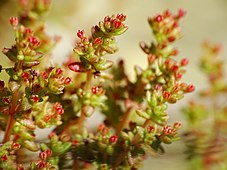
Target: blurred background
[[205, 20]]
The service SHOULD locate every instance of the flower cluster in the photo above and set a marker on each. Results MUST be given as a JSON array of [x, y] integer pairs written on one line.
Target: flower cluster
[[102, 41], [64, 97], [206, 147]]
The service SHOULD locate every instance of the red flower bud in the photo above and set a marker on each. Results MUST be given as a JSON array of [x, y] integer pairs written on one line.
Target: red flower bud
[[4, 157], [41, 164], [181, 13], [68, 80], [184, 62], [25, 75], [75, 142], [98, 41], [52, 134], [95, 90], [113, 139], [45, 75], [58, 108], [150, 129], [190, 88], [16, 146], [171, 38], [167, 13], [174, 68], [43, 155], [59, 71], [14, 21], [33, 40], [80, 34], [48, 152], [167, 130], [47, 118], [166, 95], [28, 31], [121, 17], [177, 125], [117, 24], [35, 98], [159, 18]]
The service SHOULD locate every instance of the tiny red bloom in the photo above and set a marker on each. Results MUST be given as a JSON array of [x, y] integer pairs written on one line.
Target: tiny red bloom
[[159, 18], [28, 31], [80, 34], [190, 88], [98, 41], [41, 164], [167, 129], [117, 24], [47, 118], [171, 38], [25, 75], [181, 13], [58, 108], [35, 98], [177, 125], [59, 71], [166, 95], [68, 80], [75, 142], [178, 75], [167, 13], [33, 40], [5, 100], [121, 17], [113, 139], [95, 90], [43, 155], [4, 157], [174, 52], [150, 129], [51, 135], [184, 62], [48, 152], [174, 68], [14, 21], [20, 168], [16, 145], [45, 75]]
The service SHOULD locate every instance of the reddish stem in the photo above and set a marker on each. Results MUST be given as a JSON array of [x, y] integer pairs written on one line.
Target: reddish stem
[[123, 122], [10, 123]]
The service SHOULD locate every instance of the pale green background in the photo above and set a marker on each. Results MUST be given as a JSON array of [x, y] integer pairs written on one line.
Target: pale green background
[[205, 20]]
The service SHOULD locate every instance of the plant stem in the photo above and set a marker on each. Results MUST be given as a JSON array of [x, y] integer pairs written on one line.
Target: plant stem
[[88, 80], [137, 137], [82, 117], [10, 123], [124, 120]]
